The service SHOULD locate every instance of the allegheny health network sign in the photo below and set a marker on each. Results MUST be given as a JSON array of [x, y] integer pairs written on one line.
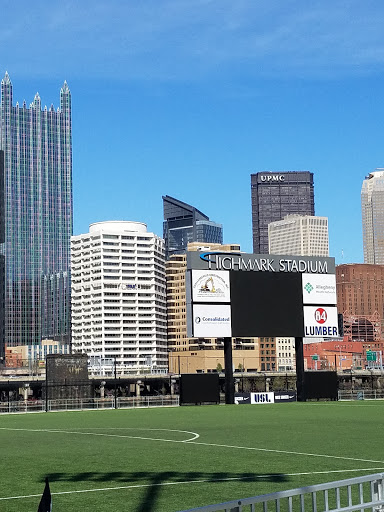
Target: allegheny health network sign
[[246, 295]]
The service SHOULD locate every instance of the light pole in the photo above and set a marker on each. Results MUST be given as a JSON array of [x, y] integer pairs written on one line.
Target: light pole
[[115, 382]]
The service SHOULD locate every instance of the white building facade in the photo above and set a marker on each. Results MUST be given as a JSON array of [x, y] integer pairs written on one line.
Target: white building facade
[[299, 235], [119, 298], [285, 354], [372, 209], [296, 235]]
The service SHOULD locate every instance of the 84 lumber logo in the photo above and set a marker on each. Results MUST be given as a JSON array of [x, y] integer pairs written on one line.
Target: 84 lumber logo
[[320, 322]]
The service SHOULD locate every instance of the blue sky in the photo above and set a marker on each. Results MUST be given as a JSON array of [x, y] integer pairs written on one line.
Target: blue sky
[[189, 97]]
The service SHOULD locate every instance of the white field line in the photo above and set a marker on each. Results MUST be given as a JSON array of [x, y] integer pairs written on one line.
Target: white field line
[[287, 452], [206, 480], [192, 441], [194, 434]]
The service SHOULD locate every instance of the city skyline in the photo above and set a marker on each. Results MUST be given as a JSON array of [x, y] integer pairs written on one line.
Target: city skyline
[[190, 98]]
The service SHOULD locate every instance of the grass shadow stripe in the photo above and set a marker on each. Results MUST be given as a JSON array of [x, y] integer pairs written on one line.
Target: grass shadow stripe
[[187, 482]]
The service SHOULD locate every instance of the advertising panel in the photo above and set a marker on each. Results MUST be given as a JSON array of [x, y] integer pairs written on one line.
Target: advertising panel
[[285, 396], [212, 321], [210, 286], [263, 398], [320, 321], [319, 289], [242, 398]]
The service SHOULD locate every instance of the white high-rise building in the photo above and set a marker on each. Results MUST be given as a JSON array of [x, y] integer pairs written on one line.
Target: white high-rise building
[[119, 297], [299, 235], [372, 209], [285, 354]]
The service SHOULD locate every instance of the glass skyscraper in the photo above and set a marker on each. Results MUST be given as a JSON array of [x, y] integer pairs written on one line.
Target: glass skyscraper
[[372, 208], [37, 145], [184, 223], [275, 195]]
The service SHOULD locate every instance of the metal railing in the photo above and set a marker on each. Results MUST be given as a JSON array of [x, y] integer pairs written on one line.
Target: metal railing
[[361, 394], [364, 493], [23, 406]]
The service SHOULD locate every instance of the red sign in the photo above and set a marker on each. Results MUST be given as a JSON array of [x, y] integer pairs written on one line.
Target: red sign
[[320, 315]]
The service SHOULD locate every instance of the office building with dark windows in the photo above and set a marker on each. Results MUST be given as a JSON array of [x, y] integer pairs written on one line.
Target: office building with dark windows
[[37, 149], [275, 195], [184, 224]]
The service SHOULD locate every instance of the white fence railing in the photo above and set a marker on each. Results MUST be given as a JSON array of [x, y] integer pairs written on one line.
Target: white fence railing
[[88, 403], [363, 494], [361, 394]]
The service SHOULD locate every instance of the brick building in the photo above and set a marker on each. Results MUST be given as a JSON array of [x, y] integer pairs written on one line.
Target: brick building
[[360, 298]]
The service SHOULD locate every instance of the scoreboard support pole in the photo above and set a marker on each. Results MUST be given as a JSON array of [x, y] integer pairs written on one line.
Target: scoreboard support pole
[[299, 347], [229, 381]]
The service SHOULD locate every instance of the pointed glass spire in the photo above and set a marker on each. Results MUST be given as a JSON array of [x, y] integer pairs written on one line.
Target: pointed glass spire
[[6, 80], [36, 100], [65, 87]]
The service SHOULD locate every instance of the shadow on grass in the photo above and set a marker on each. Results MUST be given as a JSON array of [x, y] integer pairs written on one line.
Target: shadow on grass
[[152, 482]]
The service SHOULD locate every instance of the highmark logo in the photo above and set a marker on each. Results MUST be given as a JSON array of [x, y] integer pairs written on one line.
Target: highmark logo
[[308, 287]]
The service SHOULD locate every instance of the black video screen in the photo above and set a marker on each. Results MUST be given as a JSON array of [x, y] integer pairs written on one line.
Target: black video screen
[[199, 388], [266, 304], [320, 384]]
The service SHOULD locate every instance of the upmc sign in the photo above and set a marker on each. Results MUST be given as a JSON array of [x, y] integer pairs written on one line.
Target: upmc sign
[[272, 178], [246, 295]]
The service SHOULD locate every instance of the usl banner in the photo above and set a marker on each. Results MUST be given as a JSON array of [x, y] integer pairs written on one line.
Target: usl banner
[[265, 398]]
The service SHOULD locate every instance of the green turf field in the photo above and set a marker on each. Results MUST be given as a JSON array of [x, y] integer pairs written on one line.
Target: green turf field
[[170, 459]]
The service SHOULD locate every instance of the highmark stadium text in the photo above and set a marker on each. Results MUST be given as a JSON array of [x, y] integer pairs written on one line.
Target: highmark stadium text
[[235, 262]]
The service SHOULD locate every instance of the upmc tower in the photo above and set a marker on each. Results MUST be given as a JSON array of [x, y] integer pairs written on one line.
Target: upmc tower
[[276, 194]]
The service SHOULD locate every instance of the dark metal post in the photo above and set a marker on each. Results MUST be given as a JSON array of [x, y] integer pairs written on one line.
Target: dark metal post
[[46, 386], [229, 381], [300, 369], [115, 386]]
